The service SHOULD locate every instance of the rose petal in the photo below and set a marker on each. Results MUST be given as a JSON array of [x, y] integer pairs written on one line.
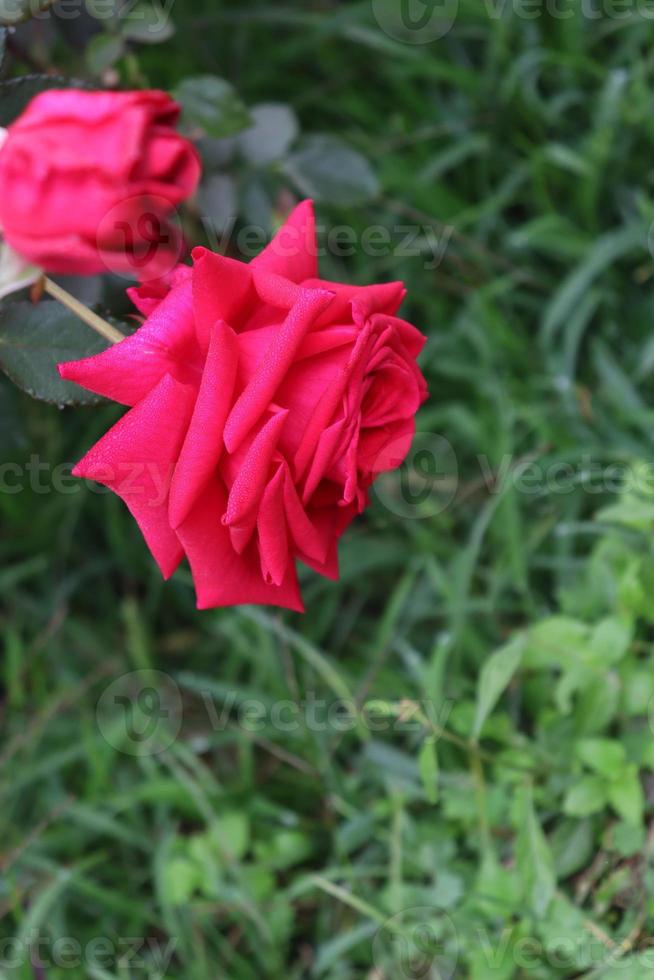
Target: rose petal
[[128, 371], [249, 485], [203, 445], [221, 288], [275, 363], [136, 459], [293, 252], [272, 531], [222, 577]]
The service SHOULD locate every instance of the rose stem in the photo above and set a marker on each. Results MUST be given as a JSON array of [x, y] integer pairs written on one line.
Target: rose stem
[[92, 320]]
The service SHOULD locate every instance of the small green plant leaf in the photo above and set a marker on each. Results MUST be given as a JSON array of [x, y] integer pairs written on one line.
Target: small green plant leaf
[[496, 675], [327, 168], [428, 766], [212, 106], [275, 128]]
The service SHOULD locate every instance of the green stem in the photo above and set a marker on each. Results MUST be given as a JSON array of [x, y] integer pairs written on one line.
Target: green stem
[[91, 319]]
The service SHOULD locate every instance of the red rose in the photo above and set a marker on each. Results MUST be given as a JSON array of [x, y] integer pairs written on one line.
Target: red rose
[[264, 402], [90, 180]]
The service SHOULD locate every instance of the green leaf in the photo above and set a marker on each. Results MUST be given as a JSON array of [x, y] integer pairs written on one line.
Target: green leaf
[[496, 674], [232, 832], [587, 796], [275, 128], [535, 862], [180, 879], [555, 641], [640, 966], [428, 766], [212, 105], [17, 93], [146, 23], [12, 429], [603, 756], [34, 338], [610, 640], [284, 849], [103, 51], [626, 795], [327, 168], [572, 846]]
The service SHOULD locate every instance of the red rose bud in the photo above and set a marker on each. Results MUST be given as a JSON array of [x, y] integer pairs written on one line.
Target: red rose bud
[[264, 403], [90, 181]]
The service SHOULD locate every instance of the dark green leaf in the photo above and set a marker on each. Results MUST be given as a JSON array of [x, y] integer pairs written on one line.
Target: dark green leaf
[[327, 168], [212, 105], [34, 338], [270, 138], [17, 93]]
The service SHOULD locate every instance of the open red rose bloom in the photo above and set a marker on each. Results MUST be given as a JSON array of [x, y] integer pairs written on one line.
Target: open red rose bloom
[[263, 403]]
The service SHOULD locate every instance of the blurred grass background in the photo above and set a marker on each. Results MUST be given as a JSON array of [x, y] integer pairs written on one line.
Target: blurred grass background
[[503, 829]]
